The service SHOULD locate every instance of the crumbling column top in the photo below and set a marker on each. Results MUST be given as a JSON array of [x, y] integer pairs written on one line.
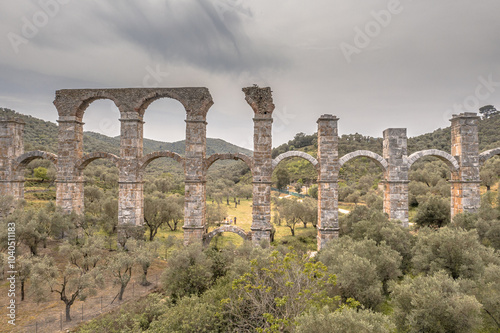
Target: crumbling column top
[[465, 115], [327, 117], [260, 99]]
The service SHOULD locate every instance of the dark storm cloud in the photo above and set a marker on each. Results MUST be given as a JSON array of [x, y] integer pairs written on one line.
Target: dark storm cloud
[[205, 34], [429, 57]]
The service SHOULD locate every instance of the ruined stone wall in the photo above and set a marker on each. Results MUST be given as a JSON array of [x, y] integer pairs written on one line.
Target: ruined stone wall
[[11, 146], [465, 194], [328, 158], [396, 176], [464, 161], [261, 101]]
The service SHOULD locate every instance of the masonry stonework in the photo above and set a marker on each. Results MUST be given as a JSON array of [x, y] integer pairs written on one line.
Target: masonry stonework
[[261, 102], [464, 161], [11, 146], [465, 194], [396, 176], [328, 158]]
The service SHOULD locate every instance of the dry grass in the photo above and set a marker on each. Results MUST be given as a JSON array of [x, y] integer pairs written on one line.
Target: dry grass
[[48, 313]]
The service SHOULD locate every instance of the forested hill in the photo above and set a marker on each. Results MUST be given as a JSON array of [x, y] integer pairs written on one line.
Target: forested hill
[[489, 137], [42, 135]]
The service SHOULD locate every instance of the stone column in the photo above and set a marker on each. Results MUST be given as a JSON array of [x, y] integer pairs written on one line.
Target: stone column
[[130, 193], [328, 158], [195, 192], [11, 147], [261, 101], [69, 185], [465, 195], [396, 176]]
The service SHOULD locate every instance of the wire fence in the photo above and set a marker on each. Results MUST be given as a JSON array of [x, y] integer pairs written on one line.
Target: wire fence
[[55, 319]]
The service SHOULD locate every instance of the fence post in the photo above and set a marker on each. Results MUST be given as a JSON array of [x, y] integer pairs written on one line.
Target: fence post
[[101, 303], [133, 289], [60, 319], [36, 326], [82, 311]]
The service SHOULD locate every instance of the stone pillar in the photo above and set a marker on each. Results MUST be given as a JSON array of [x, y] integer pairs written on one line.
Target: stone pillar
[[465, 195], [195, 182], [11, 147], [130, 193], [396, 176], [69, 184], [328, 158], [261, 101]]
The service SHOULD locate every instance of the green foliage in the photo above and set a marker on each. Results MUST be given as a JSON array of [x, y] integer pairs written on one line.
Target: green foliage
[[434, 212], [455, 251], [130, 317], [189, 272], [434, 304], [345, 321], [313, 191], [283, 178], [348, 259], [277, 289], [190, 314], [79, 279]]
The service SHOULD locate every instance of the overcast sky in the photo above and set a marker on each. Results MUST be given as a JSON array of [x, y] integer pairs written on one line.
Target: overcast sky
[[374, 64]]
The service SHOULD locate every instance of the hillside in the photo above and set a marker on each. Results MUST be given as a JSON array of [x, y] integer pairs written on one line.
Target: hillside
[[42, 135]]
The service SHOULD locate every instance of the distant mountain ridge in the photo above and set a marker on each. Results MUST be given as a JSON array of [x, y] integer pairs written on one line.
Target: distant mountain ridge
[[42, 135]]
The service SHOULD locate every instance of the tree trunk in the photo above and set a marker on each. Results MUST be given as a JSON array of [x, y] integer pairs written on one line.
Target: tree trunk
[[122, 290], [144, 280], [488, 187], [22, 290], [293, 231], [305, 224], [68, 316]]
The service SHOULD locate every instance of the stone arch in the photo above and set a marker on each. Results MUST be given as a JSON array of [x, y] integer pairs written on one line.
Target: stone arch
[[74, 102], [379, 160], [450, 161], [88, 158], [196, 101], [25, 158], [484, 156], [207, 238], [293, 153], [145, 160], [237, 156]]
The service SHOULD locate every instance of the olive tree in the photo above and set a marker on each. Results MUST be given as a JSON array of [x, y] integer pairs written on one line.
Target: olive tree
[[434, 304]]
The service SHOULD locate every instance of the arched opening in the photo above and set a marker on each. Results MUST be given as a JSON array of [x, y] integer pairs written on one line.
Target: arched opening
[[429, 189], [100, 175], [360, 180], [225, 236], [294, 204], [163, 194], [489, 174], [36, 172], [162, 167], [228, 192], [101, 127]]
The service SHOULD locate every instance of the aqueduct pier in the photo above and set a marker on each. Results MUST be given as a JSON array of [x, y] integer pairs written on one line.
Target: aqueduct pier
[[464, 161]]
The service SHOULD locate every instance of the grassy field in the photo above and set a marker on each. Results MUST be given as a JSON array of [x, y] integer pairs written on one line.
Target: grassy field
[[243, 214]]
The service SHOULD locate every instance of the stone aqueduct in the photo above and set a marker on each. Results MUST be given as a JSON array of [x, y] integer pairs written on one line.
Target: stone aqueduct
[[464, 160]]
